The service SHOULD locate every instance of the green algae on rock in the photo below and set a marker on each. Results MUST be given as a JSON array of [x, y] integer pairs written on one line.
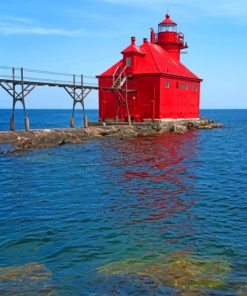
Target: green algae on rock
[[26, 280], [178, 271]]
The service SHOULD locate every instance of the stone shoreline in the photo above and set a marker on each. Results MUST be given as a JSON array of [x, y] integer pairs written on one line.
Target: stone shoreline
[[22, 141]]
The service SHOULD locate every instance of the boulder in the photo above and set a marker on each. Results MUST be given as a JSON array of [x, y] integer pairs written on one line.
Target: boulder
[[179, 129]]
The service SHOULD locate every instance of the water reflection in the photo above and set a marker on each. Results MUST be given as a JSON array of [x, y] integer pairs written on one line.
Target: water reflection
[[156, 176]]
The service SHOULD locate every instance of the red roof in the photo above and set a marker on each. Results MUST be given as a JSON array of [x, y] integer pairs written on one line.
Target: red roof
[[111, 70], [155, 60], [167, 21], [133, 49]]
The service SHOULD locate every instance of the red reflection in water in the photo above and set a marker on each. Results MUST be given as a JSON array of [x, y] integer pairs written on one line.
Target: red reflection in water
[[156, 173]]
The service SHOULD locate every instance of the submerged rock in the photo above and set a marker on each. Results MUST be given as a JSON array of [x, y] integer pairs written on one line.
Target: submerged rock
[[29, 279], [122, 285], [242, 291], [178, 271], [189, 273]]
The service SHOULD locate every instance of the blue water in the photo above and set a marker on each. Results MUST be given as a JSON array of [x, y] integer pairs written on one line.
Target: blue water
[[45, 118], [87, 212]]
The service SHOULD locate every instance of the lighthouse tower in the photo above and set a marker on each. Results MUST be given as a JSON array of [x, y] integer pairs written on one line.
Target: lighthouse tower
[[170, 39]]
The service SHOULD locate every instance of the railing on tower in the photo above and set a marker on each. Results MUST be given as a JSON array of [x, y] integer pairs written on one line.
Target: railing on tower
[[180, 38]]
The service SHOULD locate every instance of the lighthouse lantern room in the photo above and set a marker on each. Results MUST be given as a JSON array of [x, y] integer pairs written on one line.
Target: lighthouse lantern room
[[150, 82]]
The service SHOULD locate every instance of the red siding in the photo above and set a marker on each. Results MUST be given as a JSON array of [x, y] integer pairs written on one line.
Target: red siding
[[180, 100]]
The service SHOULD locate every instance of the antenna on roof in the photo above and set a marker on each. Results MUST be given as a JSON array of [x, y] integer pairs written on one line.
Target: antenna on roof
[[167, 14]]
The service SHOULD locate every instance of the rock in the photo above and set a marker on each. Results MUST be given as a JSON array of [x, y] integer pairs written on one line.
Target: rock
[[29, 279], [157, 126], [109, 132], [190, 125], [217, 125], [179, 129], [47, 138], [63, 142], [23, 142], [167, 127], [179, 270], [208, 124], [126, 132]]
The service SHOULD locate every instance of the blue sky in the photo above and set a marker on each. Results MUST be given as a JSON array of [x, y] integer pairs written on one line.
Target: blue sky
[[87, 36]]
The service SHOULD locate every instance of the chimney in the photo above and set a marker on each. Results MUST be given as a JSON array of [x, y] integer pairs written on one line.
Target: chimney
[[145, 40], [133, 40], [152, 36]]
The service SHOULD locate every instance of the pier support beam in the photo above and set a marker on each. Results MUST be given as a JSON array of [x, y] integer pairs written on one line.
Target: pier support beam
[[129, 120], [18, 90], [78, 94], [122, 101], [72, 121]]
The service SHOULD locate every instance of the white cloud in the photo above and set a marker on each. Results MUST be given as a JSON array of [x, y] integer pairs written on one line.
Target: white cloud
[[11, 25], [10, 18], [16, 30]]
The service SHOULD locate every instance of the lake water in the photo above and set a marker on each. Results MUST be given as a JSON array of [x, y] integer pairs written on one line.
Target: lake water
[[162, 215]]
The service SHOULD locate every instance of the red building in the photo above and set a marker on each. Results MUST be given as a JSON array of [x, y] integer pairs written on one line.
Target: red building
[[150, 82]]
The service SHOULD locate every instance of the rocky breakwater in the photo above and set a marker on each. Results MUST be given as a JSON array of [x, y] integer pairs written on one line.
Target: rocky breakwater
[[21, 141]]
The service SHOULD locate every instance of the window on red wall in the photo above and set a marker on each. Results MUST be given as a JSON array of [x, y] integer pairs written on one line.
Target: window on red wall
[[167, 85], [177, 84], [129, 61]]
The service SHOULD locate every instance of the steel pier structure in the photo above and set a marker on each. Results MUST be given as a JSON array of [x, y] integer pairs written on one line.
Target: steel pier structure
[[19, 83]]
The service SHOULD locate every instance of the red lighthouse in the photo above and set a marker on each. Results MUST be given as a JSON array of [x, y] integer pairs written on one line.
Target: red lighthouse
[[150, 82]]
